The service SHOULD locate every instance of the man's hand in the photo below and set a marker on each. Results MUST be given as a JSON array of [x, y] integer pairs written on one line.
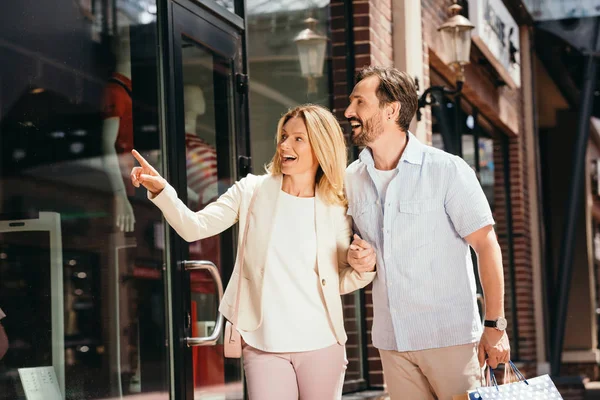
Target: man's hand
[[495, 345], [361, 255]]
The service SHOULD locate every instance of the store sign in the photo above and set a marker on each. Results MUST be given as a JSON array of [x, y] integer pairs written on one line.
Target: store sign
[[496, 34], [544, 10]]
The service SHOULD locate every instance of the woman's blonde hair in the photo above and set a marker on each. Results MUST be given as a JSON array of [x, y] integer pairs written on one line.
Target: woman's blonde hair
[[327, 141]]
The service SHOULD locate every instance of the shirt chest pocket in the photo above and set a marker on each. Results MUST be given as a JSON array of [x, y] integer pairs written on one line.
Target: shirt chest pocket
[[415, 222], [365, 217]]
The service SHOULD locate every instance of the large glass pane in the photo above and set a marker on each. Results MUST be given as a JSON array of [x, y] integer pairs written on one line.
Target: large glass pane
[[228, 4], [277, 82], [468, 149], [81, 251], [208, 110], [486, 168]]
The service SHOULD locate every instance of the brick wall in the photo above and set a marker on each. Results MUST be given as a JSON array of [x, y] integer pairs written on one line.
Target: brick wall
[[372, 43]]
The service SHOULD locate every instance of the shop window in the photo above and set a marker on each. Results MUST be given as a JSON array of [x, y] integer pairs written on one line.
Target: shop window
[[227, 4], [83, 295], [276, 83]]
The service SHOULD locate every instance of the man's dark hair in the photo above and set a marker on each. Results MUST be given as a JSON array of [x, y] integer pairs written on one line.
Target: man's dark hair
[[394, 85]]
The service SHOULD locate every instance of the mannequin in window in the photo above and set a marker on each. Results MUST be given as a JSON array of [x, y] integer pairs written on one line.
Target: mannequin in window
[[117, 132], [201, 157], [201, 167]]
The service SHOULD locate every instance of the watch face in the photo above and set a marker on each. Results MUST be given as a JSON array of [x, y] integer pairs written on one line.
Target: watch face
[[501, 324]]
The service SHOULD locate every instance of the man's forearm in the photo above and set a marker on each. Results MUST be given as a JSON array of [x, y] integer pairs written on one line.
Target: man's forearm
[[492, 278]]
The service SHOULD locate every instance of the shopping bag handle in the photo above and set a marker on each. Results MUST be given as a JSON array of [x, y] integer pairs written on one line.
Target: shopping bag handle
[[514, 369], [517, 372]]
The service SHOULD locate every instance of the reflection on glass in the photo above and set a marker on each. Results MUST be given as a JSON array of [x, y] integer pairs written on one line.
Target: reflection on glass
[[206, 101], [70, 113], [468, 150], [277, 83], [437, 141], [228, 4], [486, 168]]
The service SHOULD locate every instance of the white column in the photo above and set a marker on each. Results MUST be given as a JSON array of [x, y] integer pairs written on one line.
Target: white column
[[407, 38]]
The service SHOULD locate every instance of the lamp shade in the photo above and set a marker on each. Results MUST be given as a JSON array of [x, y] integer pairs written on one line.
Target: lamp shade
[[311, 50], [456, 39]]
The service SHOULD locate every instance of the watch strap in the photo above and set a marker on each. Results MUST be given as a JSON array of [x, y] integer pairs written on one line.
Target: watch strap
[[490, 324]]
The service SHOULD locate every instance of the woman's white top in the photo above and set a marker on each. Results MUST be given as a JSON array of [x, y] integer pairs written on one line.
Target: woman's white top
[[294, 314]]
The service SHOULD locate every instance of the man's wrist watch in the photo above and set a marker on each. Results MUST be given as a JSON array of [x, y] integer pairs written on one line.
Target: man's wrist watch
[[500, 323]]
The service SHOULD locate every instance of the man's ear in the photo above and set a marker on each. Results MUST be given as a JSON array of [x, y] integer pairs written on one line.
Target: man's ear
[[393, 110]]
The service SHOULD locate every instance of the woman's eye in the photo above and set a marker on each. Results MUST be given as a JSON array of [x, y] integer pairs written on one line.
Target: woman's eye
[[298, 139]]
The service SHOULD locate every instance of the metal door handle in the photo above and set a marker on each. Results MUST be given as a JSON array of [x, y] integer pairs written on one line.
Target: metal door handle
[[195, 265]]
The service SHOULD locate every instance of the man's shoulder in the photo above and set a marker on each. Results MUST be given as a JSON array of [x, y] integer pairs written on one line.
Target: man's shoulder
[[354, 167], [441, 159], [354, 176]]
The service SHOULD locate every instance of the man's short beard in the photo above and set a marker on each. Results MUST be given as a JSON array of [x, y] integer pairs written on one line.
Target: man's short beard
[[371, 130]]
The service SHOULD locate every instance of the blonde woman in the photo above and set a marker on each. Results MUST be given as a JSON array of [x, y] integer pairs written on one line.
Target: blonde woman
[[294, 266]]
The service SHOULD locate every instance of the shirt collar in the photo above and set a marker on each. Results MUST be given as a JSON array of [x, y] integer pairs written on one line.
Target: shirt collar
[[413, 152]]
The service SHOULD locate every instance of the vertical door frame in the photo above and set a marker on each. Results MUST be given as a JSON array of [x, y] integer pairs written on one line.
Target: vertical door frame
[[177, 18]]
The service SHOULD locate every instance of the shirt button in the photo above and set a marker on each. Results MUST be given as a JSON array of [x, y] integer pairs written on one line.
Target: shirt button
[[323, 282], [377, 202]]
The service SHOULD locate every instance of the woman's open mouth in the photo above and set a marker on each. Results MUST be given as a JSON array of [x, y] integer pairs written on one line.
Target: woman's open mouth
[[288, 159]]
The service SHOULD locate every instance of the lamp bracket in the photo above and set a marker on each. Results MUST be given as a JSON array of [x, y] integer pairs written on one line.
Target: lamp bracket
[[426, 100]]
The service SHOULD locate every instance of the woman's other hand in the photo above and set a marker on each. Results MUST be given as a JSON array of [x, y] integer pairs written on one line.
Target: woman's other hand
[[361, 255]]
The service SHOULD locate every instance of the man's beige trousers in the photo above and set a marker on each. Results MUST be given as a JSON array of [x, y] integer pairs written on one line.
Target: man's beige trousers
[[431, 374]]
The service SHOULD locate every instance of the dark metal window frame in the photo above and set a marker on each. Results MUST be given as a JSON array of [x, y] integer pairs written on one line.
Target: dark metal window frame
[[171, 32]]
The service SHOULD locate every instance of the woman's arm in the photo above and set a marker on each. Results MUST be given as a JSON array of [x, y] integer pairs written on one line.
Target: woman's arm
[[350, 279], [212, 220]]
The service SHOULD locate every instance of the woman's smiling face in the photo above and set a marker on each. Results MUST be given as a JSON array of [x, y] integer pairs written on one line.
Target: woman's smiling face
[[295, 151]]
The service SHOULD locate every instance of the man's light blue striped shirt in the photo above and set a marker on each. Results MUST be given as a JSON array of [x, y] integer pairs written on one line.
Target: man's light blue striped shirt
[[424, 295]]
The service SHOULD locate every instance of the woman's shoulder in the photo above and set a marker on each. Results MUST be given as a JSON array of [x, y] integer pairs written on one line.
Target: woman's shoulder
[[251, 181], [337, 210]]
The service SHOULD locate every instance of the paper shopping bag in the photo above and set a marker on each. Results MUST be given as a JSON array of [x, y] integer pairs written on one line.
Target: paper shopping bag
[[538, 388]]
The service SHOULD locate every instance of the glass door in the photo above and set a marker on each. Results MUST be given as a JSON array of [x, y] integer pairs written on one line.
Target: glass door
[[205, 119]]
